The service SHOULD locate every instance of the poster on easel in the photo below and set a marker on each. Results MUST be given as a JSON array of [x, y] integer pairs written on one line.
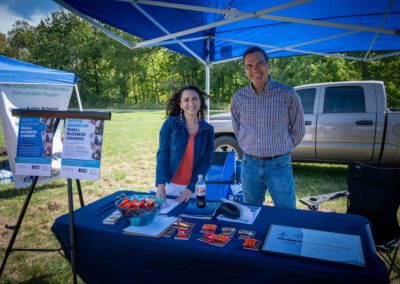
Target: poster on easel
[[34, 146], [82, 146]]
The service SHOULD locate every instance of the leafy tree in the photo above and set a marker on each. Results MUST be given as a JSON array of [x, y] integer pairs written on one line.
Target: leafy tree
[[21, 40], [4, 47]]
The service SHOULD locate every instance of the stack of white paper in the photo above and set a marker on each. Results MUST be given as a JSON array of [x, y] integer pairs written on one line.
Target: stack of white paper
[[155, 229]]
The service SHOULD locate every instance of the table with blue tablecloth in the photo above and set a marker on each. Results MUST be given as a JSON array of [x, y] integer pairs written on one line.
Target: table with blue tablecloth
[[105, 255]]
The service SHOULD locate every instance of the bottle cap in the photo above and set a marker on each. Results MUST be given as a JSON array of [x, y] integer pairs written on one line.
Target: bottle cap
[[200, 176]]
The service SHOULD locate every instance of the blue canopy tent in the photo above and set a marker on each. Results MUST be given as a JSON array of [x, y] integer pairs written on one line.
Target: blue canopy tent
[[15, 71], [220, 31]]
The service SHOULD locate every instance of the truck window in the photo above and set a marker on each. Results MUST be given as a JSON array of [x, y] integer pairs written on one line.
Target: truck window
[[307, 97], [347, 99]]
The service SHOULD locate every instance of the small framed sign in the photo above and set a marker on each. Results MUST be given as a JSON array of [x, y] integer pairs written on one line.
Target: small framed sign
[[34, 146], [314, 244], [83, 142]]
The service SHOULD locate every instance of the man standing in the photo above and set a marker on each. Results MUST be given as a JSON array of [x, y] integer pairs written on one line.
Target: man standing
[[268, 121]]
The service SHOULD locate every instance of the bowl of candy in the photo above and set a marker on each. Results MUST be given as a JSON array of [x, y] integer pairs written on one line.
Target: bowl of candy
[[139, 210]]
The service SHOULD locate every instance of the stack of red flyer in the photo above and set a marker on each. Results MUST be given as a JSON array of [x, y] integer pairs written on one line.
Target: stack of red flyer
[[210, 236]]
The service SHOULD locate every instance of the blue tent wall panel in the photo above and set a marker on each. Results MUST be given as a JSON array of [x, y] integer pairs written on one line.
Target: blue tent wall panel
[[221, 175]]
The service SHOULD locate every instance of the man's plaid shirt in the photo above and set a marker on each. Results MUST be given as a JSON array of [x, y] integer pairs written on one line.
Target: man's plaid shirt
[[269, 123]]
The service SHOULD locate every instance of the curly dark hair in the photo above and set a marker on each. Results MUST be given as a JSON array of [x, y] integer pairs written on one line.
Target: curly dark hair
[[173, 108]]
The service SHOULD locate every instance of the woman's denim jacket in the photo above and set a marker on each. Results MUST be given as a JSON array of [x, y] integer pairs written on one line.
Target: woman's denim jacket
[[174, 137]]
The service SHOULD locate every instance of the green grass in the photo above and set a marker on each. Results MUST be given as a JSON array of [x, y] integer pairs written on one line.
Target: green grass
[[2, 142], [128, 162]]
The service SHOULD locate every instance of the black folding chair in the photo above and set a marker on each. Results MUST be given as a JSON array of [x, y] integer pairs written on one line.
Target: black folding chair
[[374, 192]]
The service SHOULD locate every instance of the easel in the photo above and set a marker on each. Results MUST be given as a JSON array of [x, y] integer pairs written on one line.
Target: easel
[[58, 115]]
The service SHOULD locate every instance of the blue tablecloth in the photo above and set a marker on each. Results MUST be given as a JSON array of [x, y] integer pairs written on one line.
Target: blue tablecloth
[[106, 255]]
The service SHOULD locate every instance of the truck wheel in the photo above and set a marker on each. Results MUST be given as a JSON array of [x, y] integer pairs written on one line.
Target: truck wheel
[[228, 143]]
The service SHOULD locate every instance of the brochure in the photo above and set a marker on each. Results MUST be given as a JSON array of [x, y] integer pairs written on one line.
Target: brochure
[[155, 229], [248, 214], [314, 244], [192, 211]]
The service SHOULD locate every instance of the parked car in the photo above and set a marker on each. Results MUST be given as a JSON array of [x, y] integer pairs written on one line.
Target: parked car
[[345, 121]]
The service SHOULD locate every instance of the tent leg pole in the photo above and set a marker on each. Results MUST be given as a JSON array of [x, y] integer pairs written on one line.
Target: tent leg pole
[[18, 225], [208, 72], [78, 97], [78, 185]]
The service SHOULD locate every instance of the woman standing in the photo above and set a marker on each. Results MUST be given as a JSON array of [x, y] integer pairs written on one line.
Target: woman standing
[[186, 145]]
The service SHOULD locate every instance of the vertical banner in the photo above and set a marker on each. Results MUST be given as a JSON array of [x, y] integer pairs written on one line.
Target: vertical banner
[[82, 147], [34, 146]]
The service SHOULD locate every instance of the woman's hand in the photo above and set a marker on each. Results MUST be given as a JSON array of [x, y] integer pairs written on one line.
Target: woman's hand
[[161, 192], [185, 196]]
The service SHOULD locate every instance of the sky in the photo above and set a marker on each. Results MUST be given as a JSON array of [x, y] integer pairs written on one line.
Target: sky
[[31, 11]]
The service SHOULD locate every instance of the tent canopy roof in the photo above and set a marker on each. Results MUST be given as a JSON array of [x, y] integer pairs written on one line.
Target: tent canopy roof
[[15, 71], [219, 31]]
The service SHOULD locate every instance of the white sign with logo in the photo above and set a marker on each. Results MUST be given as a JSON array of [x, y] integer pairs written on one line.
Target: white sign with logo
[[82, 147], [31, 97]]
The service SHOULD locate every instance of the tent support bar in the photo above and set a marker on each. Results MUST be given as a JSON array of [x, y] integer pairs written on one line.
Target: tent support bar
[[277, 48], [323, 39], [384, 56], [94, 23], [232, 12], [381, 25], [179, 40], [328, 24], [78, 97], [240, 17], [157, 24], [226, 60]]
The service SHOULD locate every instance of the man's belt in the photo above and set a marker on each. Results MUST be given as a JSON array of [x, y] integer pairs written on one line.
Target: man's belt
[[265, 158]]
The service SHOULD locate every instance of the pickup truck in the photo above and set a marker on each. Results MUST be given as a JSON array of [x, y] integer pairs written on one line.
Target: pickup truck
[[345, 121]]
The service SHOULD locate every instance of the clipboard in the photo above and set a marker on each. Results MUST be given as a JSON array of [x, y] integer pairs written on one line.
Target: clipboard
[[314, 244]]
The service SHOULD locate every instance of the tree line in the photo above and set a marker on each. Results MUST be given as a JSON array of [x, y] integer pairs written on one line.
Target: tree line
[[114, 76]]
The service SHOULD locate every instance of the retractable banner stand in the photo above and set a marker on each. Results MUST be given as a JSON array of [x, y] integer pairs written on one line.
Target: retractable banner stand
[[32, 97]]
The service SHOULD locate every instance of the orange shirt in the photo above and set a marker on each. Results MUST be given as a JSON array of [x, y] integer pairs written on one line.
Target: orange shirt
[[184, 172]]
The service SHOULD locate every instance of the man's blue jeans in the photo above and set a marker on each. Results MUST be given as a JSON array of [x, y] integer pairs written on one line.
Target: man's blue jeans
[[276, 175]]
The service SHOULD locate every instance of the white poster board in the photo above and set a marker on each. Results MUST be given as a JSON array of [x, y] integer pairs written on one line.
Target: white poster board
[[82, 147], [31, 97]]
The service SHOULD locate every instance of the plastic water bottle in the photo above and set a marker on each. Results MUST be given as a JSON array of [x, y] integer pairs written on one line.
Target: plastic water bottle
[[200, 189]]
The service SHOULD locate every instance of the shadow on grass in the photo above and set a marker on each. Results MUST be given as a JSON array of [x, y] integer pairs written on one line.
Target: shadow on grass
[[13, 192], [43, 278]]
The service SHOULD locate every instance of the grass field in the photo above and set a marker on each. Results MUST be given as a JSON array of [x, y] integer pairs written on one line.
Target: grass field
[[128, 162]]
